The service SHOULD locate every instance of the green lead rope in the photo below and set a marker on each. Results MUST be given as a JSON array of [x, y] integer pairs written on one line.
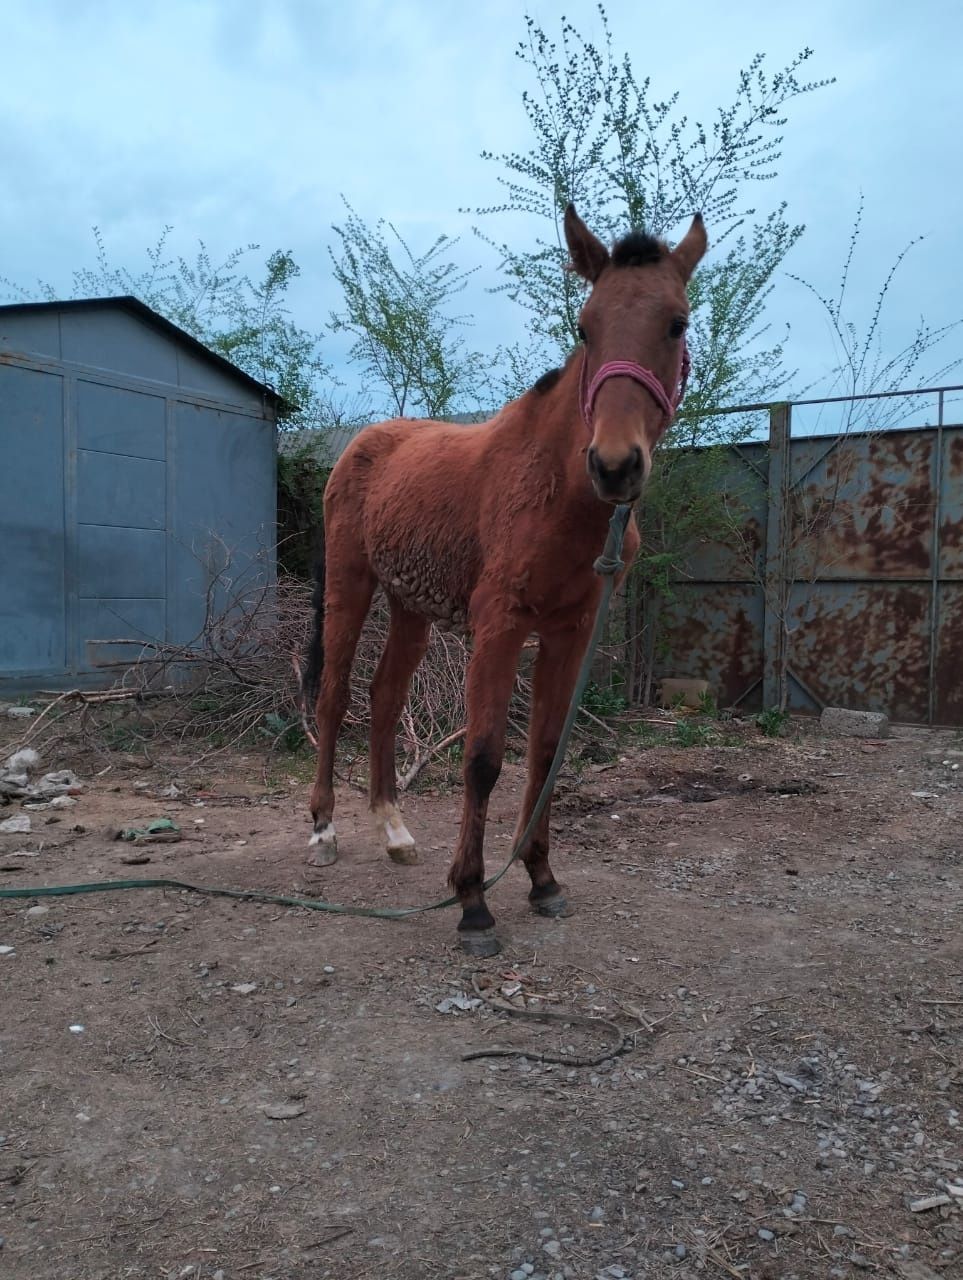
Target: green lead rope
[[607, 566]]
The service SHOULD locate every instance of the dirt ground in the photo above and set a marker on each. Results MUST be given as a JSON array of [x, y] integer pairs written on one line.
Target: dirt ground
[[194, 1088]]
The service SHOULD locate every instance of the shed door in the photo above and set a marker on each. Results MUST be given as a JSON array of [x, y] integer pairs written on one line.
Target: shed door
[[32, 621], [121, 518]]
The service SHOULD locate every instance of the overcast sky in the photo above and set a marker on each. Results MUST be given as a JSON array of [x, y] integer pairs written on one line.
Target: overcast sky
[[242, 120]]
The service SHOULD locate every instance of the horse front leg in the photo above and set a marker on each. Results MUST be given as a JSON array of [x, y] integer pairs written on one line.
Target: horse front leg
[[491, 676], [556, 670]]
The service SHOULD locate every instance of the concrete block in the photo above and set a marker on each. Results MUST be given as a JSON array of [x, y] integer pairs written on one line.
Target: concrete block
[[691, 693], [854, 724]]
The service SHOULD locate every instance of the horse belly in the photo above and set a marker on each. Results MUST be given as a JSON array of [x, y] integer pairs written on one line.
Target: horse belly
[[421, 529], [425, 585]]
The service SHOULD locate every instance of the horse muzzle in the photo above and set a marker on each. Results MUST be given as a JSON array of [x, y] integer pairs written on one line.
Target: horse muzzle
[[619, 482]]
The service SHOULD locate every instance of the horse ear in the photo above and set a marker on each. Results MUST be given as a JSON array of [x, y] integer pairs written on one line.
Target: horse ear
[[691, 247], [589, 254]]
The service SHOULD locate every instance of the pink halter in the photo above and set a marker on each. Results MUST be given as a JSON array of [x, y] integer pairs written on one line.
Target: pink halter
[[629, 369]]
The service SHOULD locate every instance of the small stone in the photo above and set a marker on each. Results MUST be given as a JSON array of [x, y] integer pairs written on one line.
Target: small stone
[[597, 1214], [790, 1082], [76, 1028], [20, 713], [283, 1110], [33, 912], [19, 826], [681, 1251], [929, 1202], [328, 968], [8, 951], [765, 1234], [552, 1248], [25, 760], [519, 1275]]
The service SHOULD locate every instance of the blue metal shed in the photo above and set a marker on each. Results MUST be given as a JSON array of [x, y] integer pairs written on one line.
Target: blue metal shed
[[133, 461]]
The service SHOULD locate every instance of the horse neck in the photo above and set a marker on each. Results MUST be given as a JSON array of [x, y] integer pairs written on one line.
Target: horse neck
[[563, 439]]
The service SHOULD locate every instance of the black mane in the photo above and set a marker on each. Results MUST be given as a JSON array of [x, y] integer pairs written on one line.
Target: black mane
[[547, 381], [637, 249]]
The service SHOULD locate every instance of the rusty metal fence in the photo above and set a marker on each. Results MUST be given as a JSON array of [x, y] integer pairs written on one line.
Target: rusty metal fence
[[842, 581]]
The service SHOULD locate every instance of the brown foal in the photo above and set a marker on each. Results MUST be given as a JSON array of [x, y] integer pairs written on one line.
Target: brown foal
[[494, 528]]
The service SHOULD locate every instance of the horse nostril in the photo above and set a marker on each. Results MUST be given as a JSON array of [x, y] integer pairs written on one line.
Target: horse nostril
[[619, 477]]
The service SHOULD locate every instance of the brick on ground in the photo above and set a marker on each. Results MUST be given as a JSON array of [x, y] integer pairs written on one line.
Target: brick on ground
[[691, 693], [854, 724]]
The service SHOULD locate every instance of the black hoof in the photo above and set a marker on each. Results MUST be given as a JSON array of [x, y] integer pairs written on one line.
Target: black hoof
[[557, 906], [479, 943], [549, 900]]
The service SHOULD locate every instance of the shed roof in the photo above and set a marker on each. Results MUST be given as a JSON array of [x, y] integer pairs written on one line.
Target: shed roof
[[127, 302], [328, 443]]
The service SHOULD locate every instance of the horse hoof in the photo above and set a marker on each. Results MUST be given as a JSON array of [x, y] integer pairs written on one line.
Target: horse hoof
[[557, 906], [406, 855], [323, 848], [322, 855], [479, 943]]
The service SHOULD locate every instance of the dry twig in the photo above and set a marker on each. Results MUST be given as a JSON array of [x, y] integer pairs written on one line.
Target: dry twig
[[233, 684]]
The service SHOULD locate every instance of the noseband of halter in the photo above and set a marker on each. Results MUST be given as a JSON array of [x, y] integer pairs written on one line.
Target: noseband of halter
[[629, 369]]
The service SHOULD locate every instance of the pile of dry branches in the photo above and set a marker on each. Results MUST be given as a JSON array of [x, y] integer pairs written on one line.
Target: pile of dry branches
[[236, 683]]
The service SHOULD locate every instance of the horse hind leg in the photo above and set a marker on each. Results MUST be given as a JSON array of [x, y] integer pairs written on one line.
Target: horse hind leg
[[348, 598], [404, 649]]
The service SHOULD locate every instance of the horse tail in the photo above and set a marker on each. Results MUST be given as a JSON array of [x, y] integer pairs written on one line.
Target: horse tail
[[312, 663]]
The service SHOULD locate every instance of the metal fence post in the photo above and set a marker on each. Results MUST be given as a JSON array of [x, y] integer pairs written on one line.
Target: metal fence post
[[935, 566], [775, 586]]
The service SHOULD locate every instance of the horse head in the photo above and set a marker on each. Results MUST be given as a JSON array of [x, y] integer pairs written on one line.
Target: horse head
[[635, 361]]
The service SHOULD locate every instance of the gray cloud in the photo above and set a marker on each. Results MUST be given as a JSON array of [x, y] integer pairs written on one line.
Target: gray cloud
[[244, 121]]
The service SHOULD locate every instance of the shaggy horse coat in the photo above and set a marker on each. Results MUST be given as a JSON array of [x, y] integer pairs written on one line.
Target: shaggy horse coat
[[494, 529]]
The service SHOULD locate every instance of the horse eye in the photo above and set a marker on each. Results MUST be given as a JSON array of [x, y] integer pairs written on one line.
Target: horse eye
[[581, 334], [677, 328]]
